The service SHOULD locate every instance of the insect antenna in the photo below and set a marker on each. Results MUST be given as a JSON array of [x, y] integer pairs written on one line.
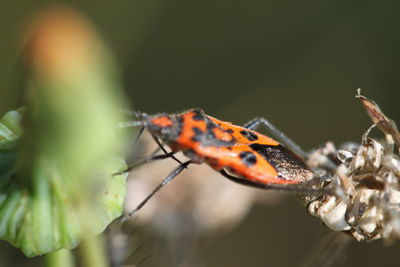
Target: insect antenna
[[141, 119], [126, 124], [138, 114]]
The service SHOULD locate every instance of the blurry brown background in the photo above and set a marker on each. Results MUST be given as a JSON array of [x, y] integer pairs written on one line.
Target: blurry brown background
[[298, 63]]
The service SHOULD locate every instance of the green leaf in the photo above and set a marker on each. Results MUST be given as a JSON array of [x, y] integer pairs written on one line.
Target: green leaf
[[45, 216]]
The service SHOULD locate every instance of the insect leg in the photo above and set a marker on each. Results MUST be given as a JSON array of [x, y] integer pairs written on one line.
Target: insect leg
[[140, 132], [303, 188], [165, 181], [150, 158], [170, 154], [255, 123], [163, 149]]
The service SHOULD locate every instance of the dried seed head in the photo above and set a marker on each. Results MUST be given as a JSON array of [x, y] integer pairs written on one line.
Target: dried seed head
[[369, 178]]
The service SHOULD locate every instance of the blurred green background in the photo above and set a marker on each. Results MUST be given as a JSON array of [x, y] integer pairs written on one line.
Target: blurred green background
[[298, 63]]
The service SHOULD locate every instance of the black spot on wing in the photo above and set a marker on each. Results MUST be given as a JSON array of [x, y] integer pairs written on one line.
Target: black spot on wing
[[249, 135], [248, 158], [171, 134], [209, 138], [288, 165], [211, 125], [179, 126], [198, 134], [198, 115], [229, 131]]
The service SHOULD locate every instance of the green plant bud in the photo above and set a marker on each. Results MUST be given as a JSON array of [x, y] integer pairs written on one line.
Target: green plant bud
[[57, 185]]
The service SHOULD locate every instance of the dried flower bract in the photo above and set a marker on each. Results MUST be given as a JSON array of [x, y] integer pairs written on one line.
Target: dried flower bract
[[368, 175]]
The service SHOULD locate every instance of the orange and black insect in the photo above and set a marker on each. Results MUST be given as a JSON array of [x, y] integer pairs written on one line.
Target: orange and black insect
[[239, 153]]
